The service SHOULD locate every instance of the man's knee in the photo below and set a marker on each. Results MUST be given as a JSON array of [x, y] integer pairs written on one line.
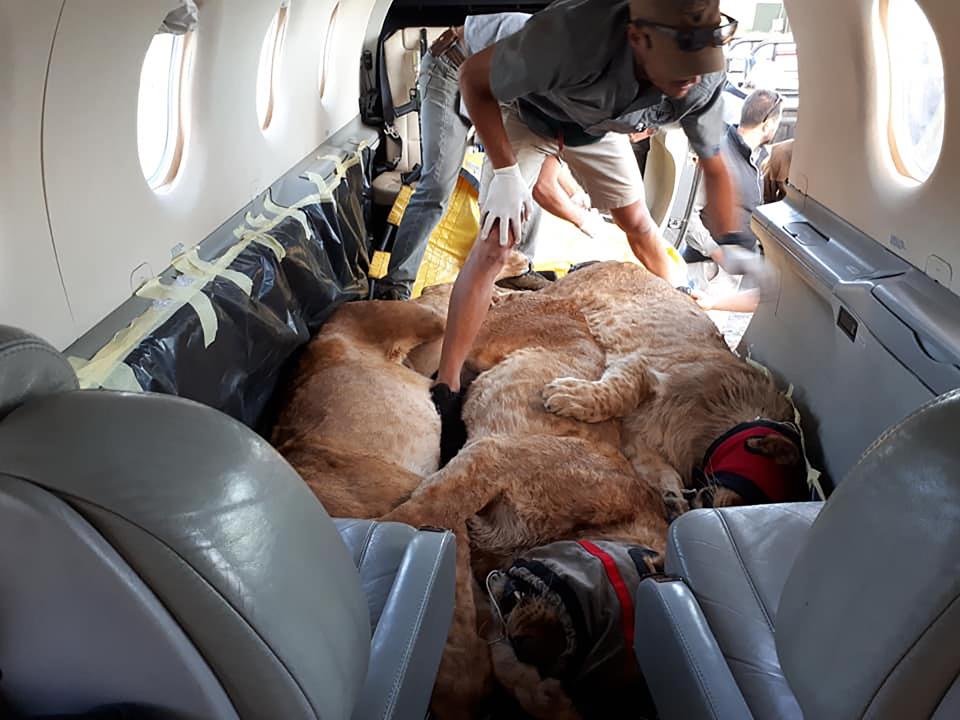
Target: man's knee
[[490, 253], [635, 220]]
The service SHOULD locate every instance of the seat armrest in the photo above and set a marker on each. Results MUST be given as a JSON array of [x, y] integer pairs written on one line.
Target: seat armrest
[[684, 668], [412, 631]]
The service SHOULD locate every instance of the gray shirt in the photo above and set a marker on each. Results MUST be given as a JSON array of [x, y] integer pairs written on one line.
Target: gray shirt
[[482, 31], [573, 63]]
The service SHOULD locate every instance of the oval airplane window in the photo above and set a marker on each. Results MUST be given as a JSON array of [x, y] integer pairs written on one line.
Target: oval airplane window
[[327, 46], [269, 67], [161, 101], [916, 89]]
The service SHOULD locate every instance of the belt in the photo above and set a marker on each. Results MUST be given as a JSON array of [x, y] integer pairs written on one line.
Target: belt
[[448, 46]]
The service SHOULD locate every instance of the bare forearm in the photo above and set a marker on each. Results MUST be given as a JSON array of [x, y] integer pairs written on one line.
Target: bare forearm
[[552, 196], [741, 301], [567, 182], [557, 202], [484, 109]]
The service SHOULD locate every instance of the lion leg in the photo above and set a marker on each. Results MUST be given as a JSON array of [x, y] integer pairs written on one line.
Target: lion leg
[[547, 488], [625, 383], [460, 489], [653, 467], [543, 698]]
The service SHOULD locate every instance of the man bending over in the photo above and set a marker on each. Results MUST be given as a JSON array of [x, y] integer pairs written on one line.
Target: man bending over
[[575, 81]]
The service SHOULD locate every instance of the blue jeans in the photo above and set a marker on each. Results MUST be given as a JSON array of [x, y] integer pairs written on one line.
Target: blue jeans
[[443, 138]]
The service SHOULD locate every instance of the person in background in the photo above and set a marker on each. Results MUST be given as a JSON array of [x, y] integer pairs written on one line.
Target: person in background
[[443, 138], [742, 149]]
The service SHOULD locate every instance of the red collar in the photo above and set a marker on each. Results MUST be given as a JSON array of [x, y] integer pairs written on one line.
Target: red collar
[[729, 462]]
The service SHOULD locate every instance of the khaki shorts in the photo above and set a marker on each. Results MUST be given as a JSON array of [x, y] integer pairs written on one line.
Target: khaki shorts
[[607, 169]]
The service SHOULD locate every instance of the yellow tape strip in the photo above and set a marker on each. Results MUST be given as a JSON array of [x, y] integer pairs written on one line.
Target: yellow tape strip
[[121, 377], [284, 212], [324, 191], [190, 264], [107, 369], [101, 366], [190, 295], [399, 206], [758, 366], [361, 146], [261, 237], [813, 475], [379, 265]]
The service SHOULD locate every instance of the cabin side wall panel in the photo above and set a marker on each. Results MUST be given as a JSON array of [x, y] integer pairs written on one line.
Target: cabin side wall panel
[[108, 231], [842, 157], [31, 294]]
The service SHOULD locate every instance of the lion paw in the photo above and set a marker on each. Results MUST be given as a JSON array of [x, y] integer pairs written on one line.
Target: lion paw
[[570, 397], [676, 505], [554, 700]]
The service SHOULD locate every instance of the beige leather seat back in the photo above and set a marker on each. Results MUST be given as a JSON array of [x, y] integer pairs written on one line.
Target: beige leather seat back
[[401, 55]]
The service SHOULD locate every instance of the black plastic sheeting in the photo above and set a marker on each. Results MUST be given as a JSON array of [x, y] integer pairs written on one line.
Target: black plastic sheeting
[[257, 336]]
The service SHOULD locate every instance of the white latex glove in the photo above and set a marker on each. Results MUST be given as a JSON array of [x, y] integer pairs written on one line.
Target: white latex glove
[[738, 261], [581, 199], [593, 224], [508, 200]]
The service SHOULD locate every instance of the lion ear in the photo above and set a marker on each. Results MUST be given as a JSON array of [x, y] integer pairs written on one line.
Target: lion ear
[[776, 447]]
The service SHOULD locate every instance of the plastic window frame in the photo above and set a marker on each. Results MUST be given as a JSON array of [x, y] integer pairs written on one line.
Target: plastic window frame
[[327, 45], [274, 55], [178, 86], [908, 169]]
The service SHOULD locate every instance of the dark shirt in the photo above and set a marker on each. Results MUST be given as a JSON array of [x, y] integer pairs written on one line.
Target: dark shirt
[[745, 177]]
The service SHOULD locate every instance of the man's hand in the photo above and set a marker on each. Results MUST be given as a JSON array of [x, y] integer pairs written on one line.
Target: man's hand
[[507, 199], [636, 137], [737, 261], [581, 200], [593, 224]]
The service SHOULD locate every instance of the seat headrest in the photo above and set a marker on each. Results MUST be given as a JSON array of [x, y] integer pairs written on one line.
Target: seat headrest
[[30, 368], [870, 615]]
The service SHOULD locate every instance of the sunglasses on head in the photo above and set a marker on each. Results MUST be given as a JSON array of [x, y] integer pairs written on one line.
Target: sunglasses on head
[[694, 39], [778, 103]]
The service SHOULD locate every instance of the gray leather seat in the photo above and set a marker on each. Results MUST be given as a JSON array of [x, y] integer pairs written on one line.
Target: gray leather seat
[[837, 610], [155, 551]]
